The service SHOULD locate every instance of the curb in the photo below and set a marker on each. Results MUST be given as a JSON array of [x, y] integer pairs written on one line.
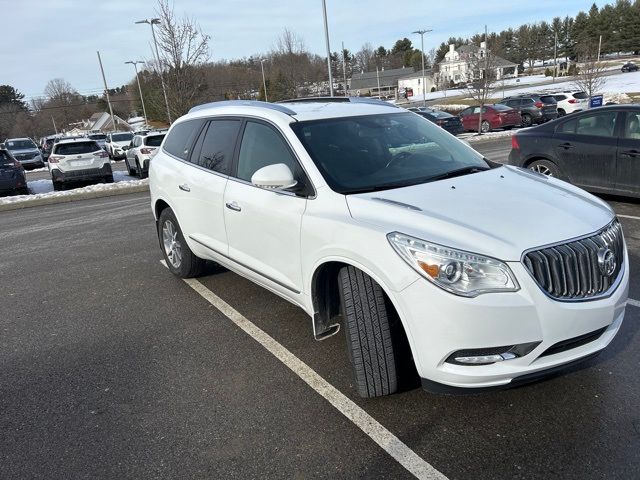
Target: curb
[[37, 202]]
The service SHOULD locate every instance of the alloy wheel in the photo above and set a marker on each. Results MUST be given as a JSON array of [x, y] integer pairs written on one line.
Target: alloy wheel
[[171, 243], [538, 167]]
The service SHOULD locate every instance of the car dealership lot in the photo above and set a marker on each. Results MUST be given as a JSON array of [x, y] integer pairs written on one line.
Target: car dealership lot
[[112, 367]]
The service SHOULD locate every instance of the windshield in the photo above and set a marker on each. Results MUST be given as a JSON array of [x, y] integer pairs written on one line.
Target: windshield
[[378, 152], [19, 144], [154, 141], [98, 136], [122, 137]]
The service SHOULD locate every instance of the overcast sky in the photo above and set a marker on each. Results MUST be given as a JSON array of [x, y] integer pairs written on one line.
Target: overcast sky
[[44, 39]]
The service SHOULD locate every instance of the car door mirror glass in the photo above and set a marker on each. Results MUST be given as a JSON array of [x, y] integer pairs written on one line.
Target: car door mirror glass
[[274, 177]]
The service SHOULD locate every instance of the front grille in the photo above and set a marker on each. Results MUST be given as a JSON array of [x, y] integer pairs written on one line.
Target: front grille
[[571, 271], [25, 156]]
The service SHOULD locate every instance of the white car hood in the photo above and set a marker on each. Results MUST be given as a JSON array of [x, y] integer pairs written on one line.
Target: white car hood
[[121, 144], [500, 212]]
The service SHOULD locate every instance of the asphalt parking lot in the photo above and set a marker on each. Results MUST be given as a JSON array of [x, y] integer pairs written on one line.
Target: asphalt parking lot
[[113, 368]]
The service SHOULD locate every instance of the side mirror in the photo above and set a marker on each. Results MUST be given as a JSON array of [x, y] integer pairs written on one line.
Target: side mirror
[[274, 177]]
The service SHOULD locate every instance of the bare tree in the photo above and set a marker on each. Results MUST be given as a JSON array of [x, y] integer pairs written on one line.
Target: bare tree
[[481, 79], [184, 50], [591, 77], [365, 58], [61, 90]]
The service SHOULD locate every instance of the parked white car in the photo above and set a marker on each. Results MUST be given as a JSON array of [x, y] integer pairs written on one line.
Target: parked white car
[[114, 143], [431, 257], [140, 152], [571, 102], [78, 160]]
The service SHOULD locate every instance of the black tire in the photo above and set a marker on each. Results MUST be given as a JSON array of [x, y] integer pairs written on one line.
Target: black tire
[[189, 265], [527, 121], [485, 126], [139, 172], [561, 112], [546, 167], [58, 186], [108, 179], [130, 171], [368, 332], [23, 191]]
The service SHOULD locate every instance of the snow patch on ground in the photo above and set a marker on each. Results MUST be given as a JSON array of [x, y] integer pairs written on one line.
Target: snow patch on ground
[[44, 188], [474, 137]]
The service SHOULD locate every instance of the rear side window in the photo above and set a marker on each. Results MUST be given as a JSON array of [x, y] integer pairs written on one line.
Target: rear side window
[[559, 98], [501, 108], [218, 144], [598, 125], [181, 138], [154, 141], [76, 148], [548, 99], [580, 95]]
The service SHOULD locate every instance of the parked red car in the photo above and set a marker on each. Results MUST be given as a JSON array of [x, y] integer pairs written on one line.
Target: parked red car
[[493, 116]]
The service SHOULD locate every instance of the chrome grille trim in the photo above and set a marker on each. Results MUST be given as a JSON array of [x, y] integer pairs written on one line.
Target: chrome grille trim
[[568, 271]]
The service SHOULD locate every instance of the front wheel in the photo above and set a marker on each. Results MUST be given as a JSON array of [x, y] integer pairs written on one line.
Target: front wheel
[[368, 331], [485, 126], [527, 121], [179, 257], [545, 167]]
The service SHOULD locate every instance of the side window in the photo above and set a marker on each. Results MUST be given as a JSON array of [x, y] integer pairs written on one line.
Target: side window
[[568, 126], [476, 110], [632, 126], [218, 143], [465, 112], [262, 146], [181, 137], [600, 125]]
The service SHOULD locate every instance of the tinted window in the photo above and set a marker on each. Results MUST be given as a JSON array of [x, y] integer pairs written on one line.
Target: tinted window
[[181, 137], [550, 99], [263, 146], [218, 145], [501, 108], [121, 137], [466, 111], [599, 124], [98, 136], [559, 98], [154, 141], [76, 148], [511, 103], [632, 126], [527, 102], [378, 152], [580, 95]]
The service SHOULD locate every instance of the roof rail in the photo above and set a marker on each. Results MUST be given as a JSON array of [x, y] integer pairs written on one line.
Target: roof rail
[[371, 101], [244, 103]]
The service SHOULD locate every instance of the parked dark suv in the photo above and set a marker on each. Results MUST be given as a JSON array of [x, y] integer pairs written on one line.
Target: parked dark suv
[[534, 108], [12, 177]]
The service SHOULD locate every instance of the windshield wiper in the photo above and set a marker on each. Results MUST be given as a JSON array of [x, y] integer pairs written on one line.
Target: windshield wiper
[[459, 172]]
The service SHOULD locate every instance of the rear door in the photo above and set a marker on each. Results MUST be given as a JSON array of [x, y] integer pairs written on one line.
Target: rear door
[[628, 166], [586, 149], [470, 118]]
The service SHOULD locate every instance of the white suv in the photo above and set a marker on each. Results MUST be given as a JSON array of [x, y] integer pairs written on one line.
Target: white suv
[[78, 160], [115, 142], [140, 152], [431, 257], [569, 102]]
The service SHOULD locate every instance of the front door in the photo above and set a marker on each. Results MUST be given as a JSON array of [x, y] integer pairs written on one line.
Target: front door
[[628, 167], [263, 226], [585, 147]]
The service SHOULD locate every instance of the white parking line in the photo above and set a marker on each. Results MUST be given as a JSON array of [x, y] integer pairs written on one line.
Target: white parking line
[[629, 216], [369, 425], [633, 302]]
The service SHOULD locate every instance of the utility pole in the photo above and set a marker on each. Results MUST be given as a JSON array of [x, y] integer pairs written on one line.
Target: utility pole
[[326, 37], [424, 87], [599, 47], [152, 22], [344, 71], [54, 125], [135, 66], [106, 91], [555, 57], [264, 81]]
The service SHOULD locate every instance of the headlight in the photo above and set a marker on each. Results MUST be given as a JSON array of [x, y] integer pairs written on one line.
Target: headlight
[[456, 271]]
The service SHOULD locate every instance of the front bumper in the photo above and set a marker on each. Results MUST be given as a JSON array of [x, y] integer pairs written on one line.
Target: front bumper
[[439, 324], [36, 162], [59, 176]]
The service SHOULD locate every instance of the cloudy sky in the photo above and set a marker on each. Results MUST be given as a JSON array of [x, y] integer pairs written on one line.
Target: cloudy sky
[[44, 39]]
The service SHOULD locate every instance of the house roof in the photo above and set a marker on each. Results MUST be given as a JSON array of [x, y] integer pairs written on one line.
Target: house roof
[[388, 78], [427, 72], [498, 61]]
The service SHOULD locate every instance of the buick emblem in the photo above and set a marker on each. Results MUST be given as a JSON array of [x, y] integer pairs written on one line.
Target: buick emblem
[[607, 261]]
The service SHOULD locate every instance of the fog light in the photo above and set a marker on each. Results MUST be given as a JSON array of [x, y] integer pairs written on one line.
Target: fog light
[[486, 359], [487, 356]]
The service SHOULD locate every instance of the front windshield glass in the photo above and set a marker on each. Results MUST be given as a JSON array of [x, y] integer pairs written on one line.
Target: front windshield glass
[[379, 152], [98, 136], [19, 144], [121, 137]]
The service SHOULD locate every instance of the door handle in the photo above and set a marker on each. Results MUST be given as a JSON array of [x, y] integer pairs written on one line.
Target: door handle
[[184, 187], [630, 153], [233, 206], [566, 146]]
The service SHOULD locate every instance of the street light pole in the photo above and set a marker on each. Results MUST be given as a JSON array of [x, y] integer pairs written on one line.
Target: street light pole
[[424, 87], [326, 37], [152, 22], [135, 66], [264, 81]]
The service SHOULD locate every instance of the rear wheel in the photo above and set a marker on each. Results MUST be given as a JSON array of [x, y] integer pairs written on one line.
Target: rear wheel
[[58, 186], [179, 257], [527, 120], [561, 112], [485, 126], [130, 170], [545, 167], [368, 332], [139, 170]]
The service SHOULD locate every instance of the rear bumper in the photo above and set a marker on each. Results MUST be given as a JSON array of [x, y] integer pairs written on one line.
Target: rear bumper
[[59, 176], [12, 184]]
